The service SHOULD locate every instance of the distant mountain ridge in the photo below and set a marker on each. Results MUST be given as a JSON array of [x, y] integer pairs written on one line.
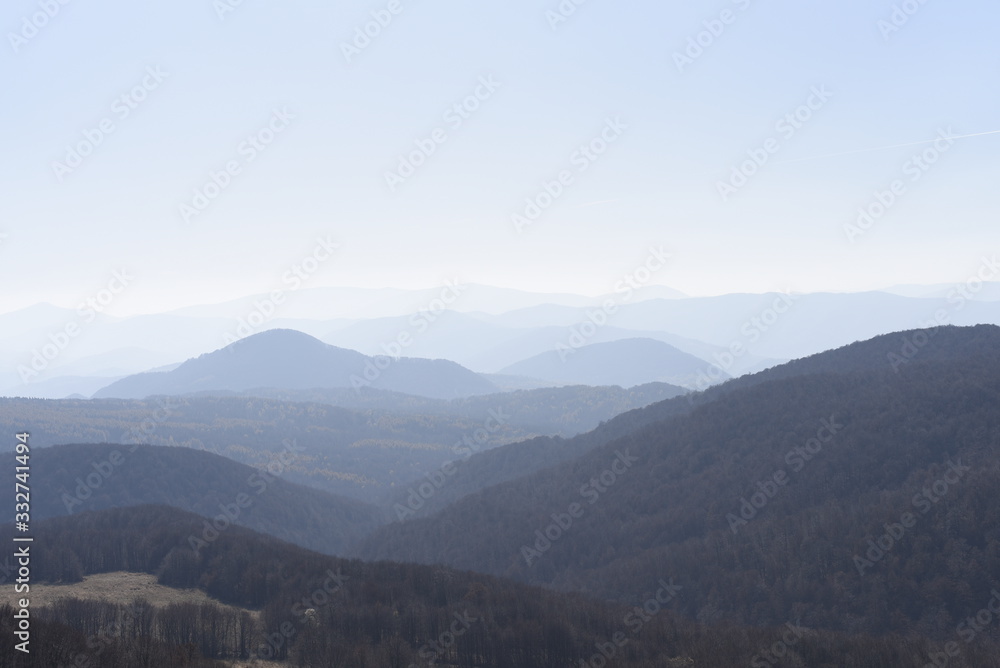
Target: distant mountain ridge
[[288, 359], [382, 440], [681, 507], [485, 329], [626, 362], [515, 460]]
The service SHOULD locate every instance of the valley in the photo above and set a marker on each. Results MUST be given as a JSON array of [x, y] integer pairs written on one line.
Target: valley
[[811, 492]]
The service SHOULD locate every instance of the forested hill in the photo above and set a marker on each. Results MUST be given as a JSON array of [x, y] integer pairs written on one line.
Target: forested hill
[[304, 609], [892, 351], [384, 442], [285, 358], [895, 350], [565, 410], [837, 457], [68, 479]]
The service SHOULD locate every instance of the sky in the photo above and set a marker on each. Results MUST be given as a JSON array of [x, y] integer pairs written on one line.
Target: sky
[[119, 117]]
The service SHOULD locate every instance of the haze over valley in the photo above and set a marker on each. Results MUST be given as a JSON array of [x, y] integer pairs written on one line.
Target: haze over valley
[[554, 334]]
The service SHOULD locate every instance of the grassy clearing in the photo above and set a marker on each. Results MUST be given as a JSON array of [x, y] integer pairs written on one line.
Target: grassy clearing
[[119, 587]]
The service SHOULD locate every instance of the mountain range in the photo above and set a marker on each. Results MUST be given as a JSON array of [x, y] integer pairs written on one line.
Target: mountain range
[[822, 453], [626, 362], [848, 492], [292, 360], [482, 335], [274, 604]]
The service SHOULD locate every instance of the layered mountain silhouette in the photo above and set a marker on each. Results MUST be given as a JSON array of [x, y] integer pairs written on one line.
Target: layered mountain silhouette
[[626, 362], [770, 496], [524, 458], [288, 359], [383, 441], [272, 603], [851, 491], [70, 479]]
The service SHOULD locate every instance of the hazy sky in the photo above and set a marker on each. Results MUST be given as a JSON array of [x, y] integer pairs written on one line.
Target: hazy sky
[[198, 80]]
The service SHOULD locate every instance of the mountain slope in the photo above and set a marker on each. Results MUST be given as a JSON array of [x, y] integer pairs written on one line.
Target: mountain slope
[[837, 456], [67, 479], [524, 458], [626, 362], [389, 440], [566, 410], [312, 610], [293, 360]]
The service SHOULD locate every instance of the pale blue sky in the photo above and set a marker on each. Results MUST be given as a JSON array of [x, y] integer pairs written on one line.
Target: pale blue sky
[[656, 184]]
